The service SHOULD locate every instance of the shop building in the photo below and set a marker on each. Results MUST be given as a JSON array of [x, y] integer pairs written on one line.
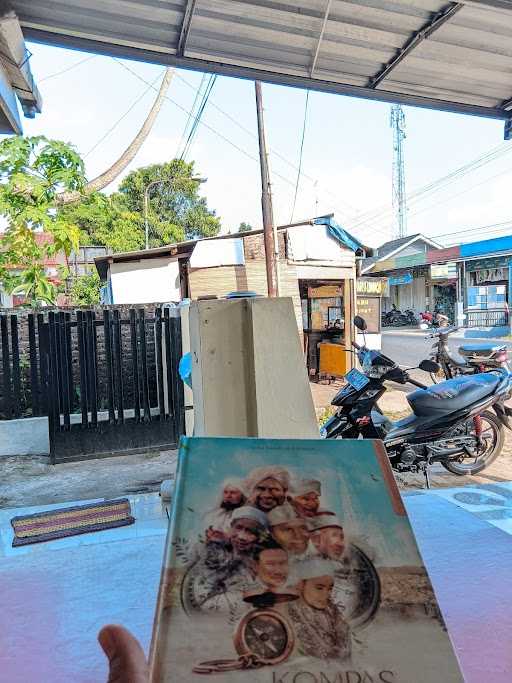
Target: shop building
[[316, 268], [471, 283], [403, 263]]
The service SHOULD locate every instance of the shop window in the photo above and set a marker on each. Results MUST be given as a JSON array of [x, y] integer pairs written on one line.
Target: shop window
[[486, 297]]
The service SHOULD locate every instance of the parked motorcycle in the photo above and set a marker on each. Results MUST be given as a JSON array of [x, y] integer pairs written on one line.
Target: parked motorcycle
[[395, 318], [410, 316], [450, 423], [471, 358]]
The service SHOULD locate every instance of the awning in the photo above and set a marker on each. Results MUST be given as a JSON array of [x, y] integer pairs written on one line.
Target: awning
[[455, 56]]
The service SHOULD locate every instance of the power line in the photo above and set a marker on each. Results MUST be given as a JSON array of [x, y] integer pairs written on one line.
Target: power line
[[206, 125], [495, 227], [198, 116], [190, 116], [271, 150], [65, 71], [436, 185], [114, 126], [300, 153]]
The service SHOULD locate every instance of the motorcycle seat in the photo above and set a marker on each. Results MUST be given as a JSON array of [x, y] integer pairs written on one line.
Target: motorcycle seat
[[481, 349], [454, 394]]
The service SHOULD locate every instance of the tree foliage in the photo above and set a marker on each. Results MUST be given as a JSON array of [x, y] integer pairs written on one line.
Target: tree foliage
[[85, 290], [33, 170], [245, 227], [176, 209], [105, 220]]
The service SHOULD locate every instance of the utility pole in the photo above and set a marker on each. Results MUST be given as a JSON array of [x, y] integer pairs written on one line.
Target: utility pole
[[266, 200], [397, 123]]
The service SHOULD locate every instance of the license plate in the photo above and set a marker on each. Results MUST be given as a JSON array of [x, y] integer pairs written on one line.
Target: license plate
[[356, 379]]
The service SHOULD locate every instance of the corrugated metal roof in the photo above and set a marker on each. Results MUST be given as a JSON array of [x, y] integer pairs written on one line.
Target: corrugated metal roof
[[448, 55]]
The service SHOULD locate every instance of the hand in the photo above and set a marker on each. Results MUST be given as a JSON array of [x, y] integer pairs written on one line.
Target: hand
[[126, 659]]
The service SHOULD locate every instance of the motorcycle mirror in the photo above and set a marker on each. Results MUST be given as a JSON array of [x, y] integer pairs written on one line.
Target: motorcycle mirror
[[360, 323], [423, 326], [429, 366]]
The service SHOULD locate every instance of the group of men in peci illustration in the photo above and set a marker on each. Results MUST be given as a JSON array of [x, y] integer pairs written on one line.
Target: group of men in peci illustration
[[269, 541]]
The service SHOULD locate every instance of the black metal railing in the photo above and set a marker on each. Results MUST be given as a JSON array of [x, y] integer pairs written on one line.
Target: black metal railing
[[487, 318], [22, 367]]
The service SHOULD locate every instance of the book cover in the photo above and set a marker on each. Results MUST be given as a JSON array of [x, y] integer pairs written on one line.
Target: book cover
[[293, 561]]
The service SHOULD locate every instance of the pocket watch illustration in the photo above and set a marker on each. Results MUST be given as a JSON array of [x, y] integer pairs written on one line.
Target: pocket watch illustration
[[212, 588], [263, 637], [356, 588]]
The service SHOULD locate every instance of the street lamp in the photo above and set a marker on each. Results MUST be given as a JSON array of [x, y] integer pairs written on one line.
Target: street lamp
[[146, 198]]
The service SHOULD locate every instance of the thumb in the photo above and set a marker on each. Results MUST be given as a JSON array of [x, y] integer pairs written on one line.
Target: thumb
[[127, 662]]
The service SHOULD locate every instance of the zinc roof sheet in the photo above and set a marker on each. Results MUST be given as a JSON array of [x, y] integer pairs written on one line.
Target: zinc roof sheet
[[460, 60]]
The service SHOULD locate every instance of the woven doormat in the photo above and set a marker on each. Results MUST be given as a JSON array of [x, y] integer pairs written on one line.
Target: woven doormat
[[81, 519]]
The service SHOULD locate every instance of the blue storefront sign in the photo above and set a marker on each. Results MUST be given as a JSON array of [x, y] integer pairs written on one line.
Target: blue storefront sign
[[401, 279]]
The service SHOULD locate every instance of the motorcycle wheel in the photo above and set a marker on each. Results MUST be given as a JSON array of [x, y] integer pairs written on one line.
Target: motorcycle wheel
[[493, 435]]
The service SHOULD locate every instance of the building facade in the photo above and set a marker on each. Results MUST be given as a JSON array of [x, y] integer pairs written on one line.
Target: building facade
[[470, 283]]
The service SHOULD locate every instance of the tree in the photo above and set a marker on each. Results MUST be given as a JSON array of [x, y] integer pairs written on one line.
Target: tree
[[85, 290], [176, 210], [245, 227], [104, 220], [104, 179], [33, 171]]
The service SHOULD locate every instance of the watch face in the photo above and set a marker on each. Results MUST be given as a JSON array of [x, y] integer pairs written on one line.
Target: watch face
[[356, 588], [265, 634]]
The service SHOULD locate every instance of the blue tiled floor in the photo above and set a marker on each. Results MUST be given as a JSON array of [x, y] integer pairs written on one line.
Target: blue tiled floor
[[52, 604]]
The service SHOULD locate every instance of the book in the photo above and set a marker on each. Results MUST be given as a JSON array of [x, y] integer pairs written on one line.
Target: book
[[293, 561]]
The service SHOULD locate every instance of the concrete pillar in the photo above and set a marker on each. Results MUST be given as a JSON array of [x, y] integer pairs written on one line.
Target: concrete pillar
[[248, 372]]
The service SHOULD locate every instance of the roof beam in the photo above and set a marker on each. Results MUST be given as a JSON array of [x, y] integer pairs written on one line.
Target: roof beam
[[15, 59], [185, 27], [415, 39], [320, 38]]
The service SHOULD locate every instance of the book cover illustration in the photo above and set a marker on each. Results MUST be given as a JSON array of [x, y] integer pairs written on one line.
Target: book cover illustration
[[293, 561]]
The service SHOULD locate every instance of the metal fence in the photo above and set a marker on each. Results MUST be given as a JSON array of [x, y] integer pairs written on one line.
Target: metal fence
[[107, 381], [487, 318]]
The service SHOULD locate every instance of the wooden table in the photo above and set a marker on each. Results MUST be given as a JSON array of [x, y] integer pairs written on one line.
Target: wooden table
[[56, 596]]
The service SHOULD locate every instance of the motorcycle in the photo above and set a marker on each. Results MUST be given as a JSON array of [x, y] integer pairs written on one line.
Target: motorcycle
[[395, 318], [472, 358], [451, 423], [410, 316]]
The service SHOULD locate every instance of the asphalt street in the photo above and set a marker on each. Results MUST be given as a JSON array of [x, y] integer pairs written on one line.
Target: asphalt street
[[408, 348]]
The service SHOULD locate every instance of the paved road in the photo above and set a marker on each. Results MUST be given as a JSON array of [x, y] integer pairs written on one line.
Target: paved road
[[409, 348]]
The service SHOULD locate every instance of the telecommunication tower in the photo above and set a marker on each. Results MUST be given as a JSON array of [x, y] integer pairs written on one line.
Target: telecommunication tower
[[397, 123]]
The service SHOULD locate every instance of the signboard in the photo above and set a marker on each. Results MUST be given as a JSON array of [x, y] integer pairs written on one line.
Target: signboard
[[443, 271], [371, 286], [401, 279], [325, 291], [368, 307], [491, 275]]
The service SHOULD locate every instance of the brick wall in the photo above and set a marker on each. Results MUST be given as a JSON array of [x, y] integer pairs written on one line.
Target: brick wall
[[127, 365]]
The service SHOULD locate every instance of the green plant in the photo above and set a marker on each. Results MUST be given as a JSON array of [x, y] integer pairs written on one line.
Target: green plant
[[33, 171], [85, 290]]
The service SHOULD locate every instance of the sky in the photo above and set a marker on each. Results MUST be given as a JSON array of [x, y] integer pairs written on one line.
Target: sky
[[98, 103]]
